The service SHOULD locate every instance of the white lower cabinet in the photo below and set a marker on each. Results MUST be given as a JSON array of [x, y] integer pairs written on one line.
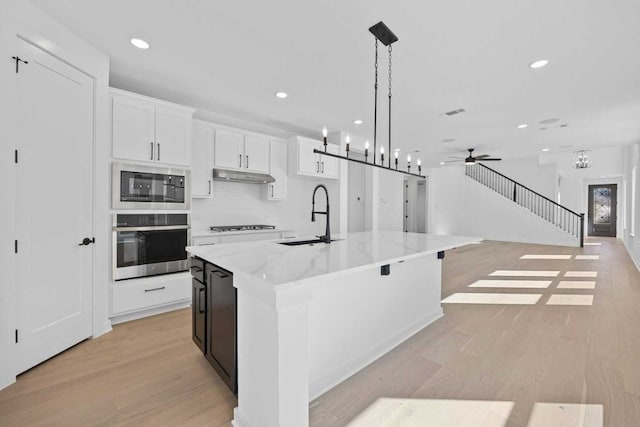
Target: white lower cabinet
[[135, 295]]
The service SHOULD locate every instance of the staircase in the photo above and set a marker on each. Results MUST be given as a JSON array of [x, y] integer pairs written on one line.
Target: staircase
[[563, 218]]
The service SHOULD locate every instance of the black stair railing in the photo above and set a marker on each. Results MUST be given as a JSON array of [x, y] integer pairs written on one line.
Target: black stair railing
[[562, 217]]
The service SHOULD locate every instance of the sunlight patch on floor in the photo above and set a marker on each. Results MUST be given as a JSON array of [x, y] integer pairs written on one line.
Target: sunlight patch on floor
[[565, 299], [529, 273], [388, 412], [533, 284], [581, 274], [574, 284], [566, 414], [492, 298], [592, 244], [587, 256], [545, 257]]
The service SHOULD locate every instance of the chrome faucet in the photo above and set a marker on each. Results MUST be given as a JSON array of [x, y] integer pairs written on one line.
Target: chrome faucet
[[327, 237]]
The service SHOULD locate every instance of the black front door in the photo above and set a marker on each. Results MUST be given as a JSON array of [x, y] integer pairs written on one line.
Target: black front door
[[602, 210]]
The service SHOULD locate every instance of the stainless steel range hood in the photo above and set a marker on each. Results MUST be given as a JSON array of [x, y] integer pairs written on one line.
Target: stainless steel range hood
[[242, 176]]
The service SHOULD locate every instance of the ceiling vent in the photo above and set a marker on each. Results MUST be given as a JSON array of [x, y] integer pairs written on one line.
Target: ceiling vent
[[454, 112]]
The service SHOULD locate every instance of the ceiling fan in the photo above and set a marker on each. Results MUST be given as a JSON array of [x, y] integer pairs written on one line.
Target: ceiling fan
[[471, 159]]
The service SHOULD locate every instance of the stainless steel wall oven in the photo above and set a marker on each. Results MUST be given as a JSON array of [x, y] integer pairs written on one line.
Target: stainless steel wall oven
[[150, 187], [150, 244]]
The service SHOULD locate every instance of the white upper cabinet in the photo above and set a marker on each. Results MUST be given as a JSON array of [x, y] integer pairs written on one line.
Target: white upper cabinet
[[256, 154], [229, 148], [278, 169], [150, 130], [202, 160], [133, 128], [314, 164], [236, 151]]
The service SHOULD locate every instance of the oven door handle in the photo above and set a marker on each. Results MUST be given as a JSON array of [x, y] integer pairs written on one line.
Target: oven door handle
[[158, 228]]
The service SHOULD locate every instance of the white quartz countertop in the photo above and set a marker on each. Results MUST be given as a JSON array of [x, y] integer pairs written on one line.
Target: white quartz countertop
[[209, 233], [277, 264]]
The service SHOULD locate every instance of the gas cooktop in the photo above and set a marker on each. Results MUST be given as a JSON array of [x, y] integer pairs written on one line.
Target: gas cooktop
[[221, 228]]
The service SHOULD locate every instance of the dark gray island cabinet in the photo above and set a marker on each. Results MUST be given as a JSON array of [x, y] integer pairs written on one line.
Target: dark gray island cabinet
[[214, 318]]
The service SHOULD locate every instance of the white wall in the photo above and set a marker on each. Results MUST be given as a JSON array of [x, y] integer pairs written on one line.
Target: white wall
[[23, 19], [632, 241], [236, 203], [540, 177], [462, 206]]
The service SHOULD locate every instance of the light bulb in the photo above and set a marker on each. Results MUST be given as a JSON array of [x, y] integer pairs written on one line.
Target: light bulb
[[366, 145], [324, 131], [381, 149], [348, 139], [419, 162], [409, 158], [396, 154]]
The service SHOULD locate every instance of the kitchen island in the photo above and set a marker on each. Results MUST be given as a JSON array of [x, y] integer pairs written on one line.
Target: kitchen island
[[310, 316]]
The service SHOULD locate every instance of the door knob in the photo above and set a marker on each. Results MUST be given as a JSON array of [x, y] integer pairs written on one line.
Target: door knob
[[87, 241]]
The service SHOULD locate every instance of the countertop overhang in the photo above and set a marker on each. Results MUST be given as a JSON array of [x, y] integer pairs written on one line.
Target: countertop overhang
[[277, 265]]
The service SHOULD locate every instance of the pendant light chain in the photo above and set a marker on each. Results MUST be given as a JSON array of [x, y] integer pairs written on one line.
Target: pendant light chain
[[390, 63], [375, 107]]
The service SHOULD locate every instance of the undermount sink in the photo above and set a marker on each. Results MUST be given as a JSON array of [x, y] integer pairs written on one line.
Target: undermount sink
[[304, 242]]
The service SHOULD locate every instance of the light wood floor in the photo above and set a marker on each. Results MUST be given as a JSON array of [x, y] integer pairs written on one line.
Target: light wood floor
[[148, 372]]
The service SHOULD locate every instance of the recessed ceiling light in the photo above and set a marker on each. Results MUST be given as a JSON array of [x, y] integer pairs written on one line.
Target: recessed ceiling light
[[281, 95], [539, 64], [522, 126], [442, 163], [545, 149], [357, 122], [140, 44]]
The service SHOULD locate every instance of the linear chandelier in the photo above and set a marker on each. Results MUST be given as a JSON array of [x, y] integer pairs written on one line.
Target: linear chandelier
[[383, 34]]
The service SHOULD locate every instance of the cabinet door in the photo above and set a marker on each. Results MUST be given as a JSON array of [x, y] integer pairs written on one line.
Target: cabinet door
[[308, 161], [198, 314], [201, 160], [329, 166], [133, 129], [278, 169], [173, 136], [256, 154], [228, 150]]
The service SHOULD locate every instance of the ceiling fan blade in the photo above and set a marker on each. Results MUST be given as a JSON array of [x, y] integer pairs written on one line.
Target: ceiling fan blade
[[488, 159], [454, 161], [482, 156], [457, 158]]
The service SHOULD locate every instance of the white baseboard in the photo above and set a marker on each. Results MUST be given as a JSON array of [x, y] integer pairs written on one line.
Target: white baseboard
[[103, 329], [341, 373], [7, 382], [239, 420], [635, 261], [127, 317]]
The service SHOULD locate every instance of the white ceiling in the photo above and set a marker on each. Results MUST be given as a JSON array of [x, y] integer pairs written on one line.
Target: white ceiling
[[228, 58]]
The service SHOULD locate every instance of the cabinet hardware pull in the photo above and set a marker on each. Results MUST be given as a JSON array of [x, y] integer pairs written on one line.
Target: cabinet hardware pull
[[240, 156], [196, 268], [209, 187], [247, 161], [158, 152], [317, 167], [201, 290], [322, 167], [155, 289], [151, 150], [271, 190]]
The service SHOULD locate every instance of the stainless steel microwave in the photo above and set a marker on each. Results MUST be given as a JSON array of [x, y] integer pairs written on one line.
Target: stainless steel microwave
[[150, 187]]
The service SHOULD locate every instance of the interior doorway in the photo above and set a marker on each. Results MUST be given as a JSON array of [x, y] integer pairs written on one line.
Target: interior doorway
[[415, 206], [602, 209], [356, 220]]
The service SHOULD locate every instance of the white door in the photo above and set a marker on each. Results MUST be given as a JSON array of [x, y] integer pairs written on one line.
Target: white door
[[173, 136], [228, 150], [133, 129], [308, 161], [256, 154], [54, 181], [201, 160]]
